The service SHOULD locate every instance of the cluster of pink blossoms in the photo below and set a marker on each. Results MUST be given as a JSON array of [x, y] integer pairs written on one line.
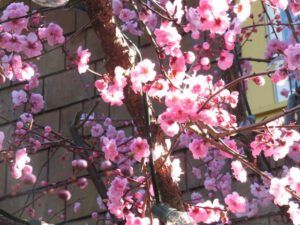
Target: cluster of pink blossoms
[[275, 142]]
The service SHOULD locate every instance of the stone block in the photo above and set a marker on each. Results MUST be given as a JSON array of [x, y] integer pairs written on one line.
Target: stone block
[[51, 62], [93, 43], [66, 88], [67, 117], [63, 17]]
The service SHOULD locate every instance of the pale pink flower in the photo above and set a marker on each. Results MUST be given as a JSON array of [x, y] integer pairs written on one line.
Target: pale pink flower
[[176, 170], [54, 34], [230, 38], [238, 171], [115, 193], [169, 39], [199, 148], [197, 173], [167, 124], [37, 102], [109, 148], [294, 179], [159, 88], [292, 54], [131, 219], [277, 189], [19, 97], [259, 80], [294, 213], [96, 130], [33, 47], [236, 203], [225, 60], [243, 10], [79, 164], [126, 14], [64, 194], [76, 207], [21, 159], [83, 59], [141, 74], [279, 77], [117, 6], [2, 136], [140, 149], [15, 10], [82, 183], [196, 197], [280, 4], [207, 212]]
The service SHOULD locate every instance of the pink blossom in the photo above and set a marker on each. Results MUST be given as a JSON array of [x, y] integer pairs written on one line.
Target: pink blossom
[[176, 170], [168, 38], [284, 92], [29, 179], [275, 47], [238, 171], [126, 14], [158, 89], [131, 219], [141, 74], [294, 179], [96, 130], [12, 66], [54, 34], [115, 194], [15, 10], [199, 148], [33, 47], [132, 27], [294, 212], [175, 9], [230, 38], [279, 77], [76, 207], [109, 148], [19, 97], [197, 173], [292, 54], [83, 58], [64, 194], [196, 197], [281, 4], [2, 136], [236, 203], [113, 94], [21, 159], [117, 6], [225, 60], [207, 212], [194, 25], [82, 183], [13, 42], [243, 10], [79, 164], [277, 189], [259, 80], [37, 102], [140, 149], [167, 124]]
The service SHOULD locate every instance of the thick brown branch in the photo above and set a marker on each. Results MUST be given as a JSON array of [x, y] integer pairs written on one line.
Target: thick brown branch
[[119, 53]]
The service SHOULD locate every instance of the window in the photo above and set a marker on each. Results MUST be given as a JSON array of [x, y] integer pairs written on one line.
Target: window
[[284, 35]]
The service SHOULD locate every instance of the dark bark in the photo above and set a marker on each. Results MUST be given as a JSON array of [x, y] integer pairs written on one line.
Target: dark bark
[[119, 53]]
